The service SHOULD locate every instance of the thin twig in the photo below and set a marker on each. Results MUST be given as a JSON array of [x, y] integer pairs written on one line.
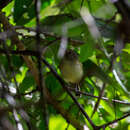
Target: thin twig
[[103, 98], [114, 121], [41, 81], [27, 93], [99, 98]]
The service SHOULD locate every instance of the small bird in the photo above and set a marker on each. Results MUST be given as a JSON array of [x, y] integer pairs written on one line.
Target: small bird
[[71, 68]]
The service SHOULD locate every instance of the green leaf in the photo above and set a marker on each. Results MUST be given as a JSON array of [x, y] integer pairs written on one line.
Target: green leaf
[[16, 61], [54, 86], [20, 7], [108, 108], [27, 84], [58, 123], [4, 61], [103, 10], [91, 69], [24, 10], [86, 51]]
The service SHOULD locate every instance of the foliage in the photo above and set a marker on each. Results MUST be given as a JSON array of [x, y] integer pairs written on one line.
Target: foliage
[[105, 56]]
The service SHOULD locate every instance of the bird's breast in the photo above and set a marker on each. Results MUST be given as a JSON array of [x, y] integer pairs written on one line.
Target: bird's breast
[[72, 72]]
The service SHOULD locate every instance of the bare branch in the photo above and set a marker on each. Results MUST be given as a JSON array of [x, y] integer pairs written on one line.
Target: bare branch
[[103, 98], [99, 98]]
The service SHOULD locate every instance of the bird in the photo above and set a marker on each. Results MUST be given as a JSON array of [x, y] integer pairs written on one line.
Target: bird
[[71, 68]]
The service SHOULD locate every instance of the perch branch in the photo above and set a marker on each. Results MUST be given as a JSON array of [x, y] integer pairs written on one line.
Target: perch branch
[[67, 90]]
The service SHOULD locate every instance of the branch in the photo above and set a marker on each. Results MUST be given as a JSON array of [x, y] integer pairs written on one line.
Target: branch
[[37, 4], [42, 31], [112, 122], [122, 8], [20, 52], [67, 90], [103, 98], [99, 98]]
